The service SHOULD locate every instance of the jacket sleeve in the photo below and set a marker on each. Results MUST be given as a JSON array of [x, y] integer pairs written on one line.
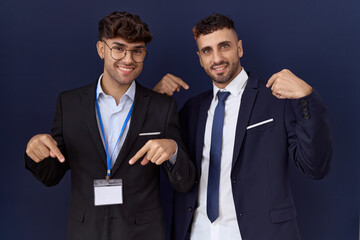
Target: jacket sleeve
[[182, 173], [309, 135], [50, 171]]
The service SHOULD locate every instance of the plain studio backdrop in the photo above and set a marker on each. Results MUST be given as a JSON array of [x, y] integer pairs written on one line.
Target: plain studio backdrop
[[49, 47]]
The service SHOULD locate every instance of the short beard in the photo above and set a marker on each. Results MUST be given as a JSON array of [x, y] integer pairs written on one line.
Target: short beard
[[224, 78]]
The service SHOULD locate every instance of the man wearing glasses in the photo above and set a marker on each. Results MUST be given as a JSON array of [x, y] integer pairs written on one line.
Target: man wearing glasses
[[100, 132]]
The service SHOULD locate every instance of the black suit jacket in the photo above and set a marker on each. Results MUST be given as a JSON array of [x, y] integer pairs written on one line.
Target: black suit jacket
[[76, 131], [299, 133]]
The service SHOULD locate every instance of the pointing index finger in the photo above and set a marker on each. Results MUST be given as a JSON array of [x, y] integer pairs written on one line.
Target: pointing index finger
[[51, 144], [55, 152], [271, 80], [139, 154], [179, 81]]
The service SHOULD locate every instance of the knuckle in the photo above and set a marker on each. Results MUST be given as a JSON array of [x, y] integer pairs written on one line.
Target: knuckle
[[28, 151], [34, 141], [43, 137]]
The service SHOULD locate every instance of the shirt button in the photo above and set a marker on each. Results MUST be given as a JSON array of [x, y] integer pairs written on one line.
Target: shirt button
[[234, 181]]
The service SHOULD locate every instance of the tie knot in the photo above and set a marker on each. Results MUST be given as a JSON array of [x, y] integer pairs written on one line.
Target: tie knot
[[222, 96]]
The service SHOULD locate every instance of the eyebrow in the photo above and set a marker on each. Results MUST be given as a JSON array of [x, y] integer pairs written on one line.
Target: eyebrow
[[224, 42], [205, 48], [125, 46], [219, 44]]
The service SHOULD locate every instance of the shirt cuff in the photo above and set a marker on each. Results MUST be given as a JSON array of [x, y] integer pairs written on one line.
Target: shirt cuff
[[172, 160]]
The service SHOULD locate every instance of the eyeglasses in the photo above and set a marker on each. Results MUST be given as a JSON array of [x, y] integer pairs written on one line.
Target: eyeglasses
[[118, 53]]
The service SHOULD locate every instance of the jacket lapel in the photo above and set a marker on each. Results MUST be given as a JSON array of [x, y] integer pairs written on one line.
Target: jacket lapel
[[200, 133], [246, 106], [138, 116], [88, 107]]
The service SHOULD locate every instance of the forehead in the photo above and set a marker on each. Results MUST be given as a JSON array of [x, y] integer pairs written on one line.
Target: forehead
[[216, 37], [123, 42]]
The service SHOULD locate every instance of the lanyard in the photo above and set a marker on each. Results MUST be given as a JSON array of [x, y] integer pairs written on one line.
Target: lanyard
[[108, 157]]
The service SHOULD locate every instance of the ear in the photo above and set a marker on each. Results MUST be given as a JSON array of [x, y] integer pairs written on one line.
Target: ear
[[240, 49], [100, 49], [200, 58]]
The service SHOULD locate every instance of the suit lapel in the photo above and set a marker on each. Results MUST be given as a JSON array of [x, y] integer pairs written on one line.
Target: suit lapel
[[88, 107], [200, 133], [138, 116], [246, 106]]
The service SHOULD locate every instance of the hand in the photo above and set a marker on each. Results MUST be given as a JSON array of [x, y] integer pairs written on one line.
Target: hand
[[42, 146], [285, 84], [169, 84], [157, 151]]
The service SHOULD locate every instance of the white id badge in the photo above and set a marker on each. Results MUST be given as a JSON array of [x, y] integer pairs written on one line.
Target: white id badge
[[108, 193]]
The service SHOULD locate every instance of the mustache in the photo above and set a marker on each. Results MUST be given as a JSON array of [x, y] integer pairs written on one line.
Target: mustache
[[120, 62], [124, 65], [219, 64]]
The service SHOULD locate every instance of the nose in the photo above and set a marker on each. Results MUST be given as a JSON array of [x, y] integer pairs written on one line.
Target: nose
[[217, 57], [128, 57]]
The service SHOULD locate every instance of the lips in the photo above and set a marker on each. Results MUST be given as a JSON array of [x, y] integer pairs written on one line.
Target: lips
[[220, 67], [126, 69]]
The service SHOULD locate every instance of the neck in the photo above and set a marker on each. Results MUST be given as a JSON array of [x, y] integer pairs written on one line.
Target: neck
[[113, 88]]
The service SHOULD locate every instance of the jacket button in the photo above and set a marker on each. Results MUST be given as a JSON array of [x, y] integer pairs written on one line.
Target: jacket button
[[304, 102], [190, 209], [234, 181], [306, 112], [178, 175], [306, 117]]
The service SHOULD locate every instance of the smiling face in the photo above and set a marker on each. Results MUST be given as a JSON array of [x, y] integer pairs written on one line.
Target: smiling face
[[119, 73], [219, 53]]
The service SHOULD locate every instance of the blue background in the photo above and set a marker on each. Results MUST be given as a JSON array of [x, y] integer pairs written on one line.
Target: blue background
[[49, 46]]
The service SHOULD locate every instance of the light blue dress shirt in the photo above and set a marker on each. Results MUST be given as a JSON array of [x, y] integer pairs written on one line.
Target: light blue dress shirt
[[113, 117]]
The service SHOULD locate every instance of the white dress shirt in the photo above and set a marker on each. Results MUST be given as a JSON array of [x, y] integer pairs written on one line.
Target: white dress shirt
[[225, 226], [113, 117]]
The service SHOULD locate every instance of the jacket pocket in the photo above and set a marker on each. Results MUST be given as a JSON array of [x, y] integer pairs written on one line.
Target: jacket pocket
[[76, 213], [149, 216], [282, 215]]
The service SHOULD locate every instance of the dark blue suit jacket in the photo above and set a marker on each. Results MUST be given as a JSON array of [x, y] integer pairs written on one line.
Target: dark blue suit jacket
[[299, 132]]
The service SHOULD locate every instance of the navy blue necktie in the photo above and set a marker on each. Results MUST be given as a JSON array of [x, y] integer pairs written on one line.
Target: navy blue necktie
[[215, 158]]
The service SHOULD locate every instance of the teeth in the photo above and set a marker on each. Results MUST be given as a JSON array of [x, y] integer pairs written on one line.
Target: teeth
[[125, 69], [217, 69]]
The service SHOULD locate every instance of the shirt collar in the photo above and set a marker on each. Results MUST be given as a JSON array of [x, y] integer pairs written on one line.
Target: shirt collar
[[130, 93], [236, 86]]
